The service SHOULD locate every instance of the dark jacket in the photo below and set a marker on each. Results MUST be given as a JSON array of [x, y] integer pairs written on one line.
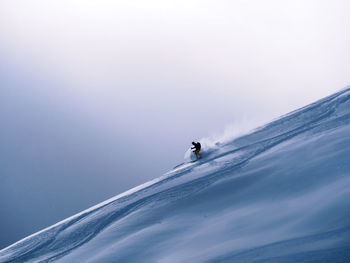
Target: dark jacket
[[196, 145]]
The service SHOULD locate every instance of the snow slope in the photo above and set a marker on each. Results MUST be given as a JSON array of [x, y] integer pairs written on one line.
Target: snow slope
[[279, 194]]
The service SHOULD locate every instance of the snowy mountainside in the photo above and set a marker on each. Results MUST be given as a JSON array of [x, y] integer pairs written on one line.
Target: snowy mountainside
[[278, 194]]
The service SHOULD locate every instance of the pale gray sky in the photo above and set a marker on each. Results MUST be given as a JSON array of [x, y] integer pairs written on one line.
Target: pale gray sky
[[100, 96]]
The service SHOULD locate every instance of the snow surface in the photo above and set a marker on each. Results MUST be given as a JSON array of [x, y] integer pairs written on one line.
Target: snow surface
[[278, 194]]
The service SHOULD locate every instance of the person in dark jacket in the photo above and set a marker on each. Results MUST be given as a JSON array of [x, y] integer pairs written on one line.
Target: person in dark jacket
[[197, 148]]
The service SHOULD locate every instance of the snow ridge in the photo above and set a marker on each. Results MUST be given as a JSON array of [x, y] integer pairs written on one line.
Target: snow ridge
[[278, 193]]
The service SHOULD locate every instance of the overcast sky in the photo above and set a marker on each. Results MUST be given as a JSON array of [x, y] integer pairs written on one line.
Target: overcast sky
[[99, 96]]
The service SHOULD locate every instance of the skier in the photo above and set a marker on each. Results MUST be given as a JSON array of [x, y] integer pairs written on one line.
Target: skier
[[196, 147]]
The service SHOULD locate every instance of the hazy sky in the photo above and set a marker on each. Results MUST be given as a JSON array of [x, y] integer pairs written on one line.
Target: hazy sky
[[99, 96]]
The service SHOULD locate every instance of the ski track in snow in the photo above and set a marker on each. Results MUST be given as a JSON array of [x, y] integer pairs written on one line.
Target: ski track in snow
[[92, 230]]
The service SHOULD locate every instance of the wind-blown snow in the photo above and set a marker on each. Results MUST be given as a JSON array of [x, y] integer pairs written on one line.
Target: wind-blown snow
[[278, 194]]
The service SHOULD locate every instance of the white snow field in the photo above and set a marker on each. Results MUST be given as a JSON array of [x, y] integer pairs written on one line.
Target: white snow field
[[279, 194]]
